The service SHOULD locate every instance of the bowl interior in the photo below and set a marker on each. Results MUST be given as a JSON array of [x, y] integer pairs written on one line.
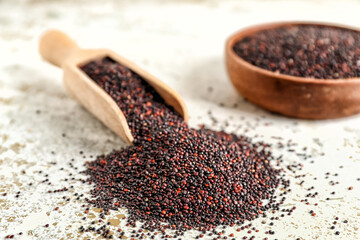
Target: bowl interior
[[258, 28]]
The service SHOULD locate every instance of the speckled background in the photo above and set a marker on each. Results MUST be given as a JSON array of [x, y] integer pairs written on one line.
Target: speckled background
[[182, 43]]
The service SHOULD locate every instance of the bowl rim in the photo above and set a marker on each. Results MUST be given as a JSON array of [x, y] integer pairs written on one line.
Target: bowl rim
[[235, 37]]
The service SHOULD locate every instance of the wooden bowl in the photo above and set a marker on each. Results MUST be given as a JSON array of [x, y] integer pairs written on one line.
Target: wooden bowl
[[288, 95]]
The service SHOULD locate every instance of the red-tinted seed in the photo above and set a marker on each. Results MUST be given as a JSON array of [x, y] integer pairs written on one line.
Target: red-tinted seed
[[170, 171], [304, 50]]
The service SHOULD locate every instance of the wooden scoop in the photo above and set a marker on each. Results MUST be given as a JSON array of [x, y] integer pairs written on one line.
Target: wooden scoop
[[58, 49]]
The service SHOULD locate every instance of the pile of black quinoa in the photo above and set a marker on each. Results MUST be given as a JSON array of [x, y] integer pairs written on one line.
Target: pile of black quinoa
[[174, 176], [312, 51]]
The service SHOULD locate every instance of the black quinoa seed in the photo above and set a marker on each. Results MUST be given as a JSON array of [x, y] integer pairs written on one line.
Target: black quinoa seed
[[185, 177], [311, 51]]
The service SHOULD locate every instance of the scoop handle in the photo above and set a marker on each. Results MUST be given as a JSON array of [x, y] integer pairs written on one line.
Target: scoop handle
[[55, 47]]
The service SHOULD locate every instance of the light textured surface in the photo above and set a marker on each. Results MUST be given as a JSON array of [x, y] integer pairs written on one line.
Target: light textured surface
[[182, 43]]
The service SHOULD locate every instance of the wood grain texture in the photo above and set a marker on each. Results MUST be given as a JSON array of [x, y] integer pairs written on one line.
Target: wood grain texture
[[288, 95], [58, 49]]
